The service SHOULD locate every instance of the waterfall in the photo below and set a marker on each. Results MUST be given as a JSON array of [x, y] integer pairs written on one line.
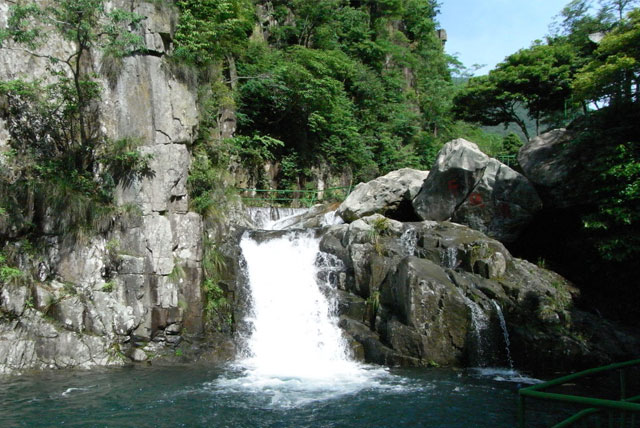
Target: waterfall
[[331, 219], [294, 331], [450, 258], [504, 374], [480, 325], [505, 332], [295, 352], [265, 217], [409, 241]]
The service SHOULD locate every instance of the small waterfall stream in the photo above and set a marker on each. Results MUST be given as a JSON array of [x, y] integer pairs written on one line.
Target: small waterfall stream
[[508, 374], [480, 326], [409, 241], [505, 333], [450, 258], [266, 217]]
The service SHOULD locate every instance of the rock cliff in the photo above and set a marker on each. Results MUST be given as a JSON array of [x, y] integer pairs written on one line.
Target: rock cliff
[[138, 284]]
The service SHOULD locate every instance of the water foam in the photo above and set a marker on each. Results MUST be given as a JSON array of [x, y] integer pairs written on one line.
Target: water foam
[[296, 351]]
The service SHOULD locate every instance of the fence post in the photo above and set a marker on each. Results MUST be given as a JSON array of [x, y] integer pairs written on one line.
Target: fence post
[[521, 408], [623, 395]]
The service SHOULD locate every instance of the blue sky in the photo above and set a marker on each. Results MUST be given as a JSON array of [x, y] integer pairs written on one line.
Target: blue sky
[[486, 31]]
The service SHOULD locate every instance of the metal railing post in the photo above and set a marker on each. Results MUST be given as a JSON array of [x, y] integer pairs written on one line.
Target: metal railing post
[[623, 395], [521, 408]]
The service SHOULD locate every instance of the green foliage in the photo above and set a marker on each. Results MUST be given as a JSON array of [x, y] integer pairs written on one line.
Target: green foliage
[[339, 84], [116, 354], [255, 150], [177, 273], [342, 84], [56, 144], [210, 29], [123, 163], [538, 78], [88, 25], [208, 182], [109, 286], [489, 142], [301, 103], [9, 274], [511, 144], [380, 226], [372, 307], [612, 75], [613, 224], [218, 308]]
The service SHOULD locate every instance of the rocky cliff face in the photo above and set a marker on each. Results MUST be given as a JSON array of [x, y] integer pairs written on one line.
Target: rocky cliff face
[[140, 282]]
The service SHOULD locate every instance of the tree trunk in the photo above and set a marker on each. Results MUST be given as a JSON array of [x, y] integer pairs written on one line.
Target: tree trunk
[[233, 71]]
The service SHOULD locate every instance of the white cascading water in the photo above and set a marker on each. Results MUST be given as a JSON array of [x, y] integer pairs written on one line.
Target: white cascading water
[[296, 353], [505, 332], [505, 374], [294, 332], [409, 241], [480, 325], [265, 217], [450, 258]]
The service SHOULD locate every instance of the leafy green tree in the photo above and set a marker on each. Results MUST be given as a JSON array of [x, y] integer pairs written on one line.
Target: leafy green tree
[[212, 29], [614, 73], [538, 78], [620, 7], [87, 25], [482, 101], [511, 144], [60, 159], [362, 85]]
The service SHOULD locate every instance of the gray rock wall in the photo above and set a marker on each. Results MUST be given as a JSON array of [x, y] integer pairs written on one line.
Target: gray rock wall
[[124, 287], [421, 294]]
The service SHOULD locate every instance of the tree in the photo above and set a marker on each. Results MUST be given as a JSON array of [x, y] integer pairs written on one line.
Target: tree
[[212, 29], [87, 25], [481, 101], [538, 78], [618, 6], [363, 85], [59, 155], [613, 75]]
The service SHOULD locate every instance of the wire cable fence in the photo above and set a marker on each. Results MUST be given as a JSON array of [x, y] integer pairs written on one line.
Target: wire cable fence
[[293, 197]]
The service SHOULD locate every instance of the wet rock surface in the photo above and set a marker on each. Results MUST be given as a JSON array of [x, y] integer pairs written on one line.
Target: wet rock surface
[[432, 293]]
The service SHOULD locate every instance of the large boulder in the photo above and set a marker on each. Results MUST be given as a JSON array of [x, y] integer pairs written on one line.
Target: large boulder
[[468, 187], [558, 169], [389, 195], [431, 313]]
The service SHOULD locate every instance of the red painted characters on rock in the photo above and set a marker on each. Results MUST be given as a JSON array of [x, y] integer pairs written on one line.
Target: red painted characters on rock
[[475, 200], [454, 187]]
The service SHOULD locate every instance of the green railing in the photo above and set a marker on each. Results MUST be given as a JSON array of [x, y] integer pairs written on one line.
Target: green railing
[[509, 160], [303, 197], [620, 413]]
